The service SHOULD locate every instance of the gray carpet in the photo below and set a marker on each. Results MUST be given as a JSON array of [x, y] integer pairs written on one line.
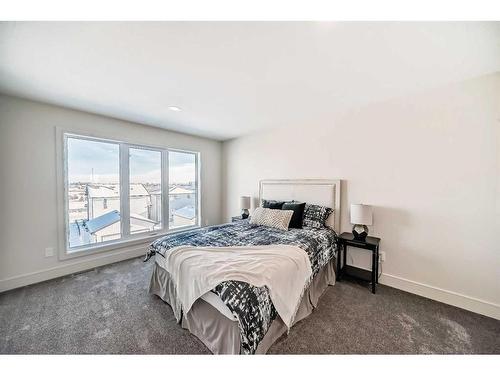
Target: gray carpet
[[108, 310]]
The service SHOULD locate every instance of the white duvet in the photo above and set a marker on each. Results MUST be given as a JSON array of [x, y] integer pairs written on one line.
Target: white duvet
[[284, 269]]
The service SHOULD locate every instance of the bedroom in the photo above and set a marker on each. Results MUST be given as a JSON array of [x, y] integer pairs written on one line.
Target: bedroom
[[249, 187]]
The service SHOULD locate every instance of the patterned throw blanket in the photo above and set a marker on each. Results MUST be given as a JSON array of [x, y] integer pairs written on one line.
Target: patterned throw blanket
[[251, 306]]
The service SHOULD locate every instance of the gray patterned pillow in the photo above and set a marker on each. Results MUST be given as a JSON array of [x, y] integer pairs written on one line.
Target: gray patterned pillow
[[271, 218], [315, 216]]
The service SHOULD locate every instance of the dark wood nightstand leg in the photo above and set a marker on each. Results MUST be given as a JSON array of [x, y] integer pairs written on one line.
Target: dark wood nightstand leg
[[378, 262], [374, 270], [339, 262], [339, 247], [344, 249]]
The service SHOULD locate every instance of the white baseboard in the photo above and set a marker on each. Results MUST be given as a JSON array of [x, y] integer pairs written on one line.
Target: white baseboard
[[446, 296], [67, 269]]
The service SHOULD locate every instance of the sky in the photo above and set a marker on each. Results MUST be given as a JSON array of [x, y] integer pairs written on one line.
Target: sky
[[145, 165]]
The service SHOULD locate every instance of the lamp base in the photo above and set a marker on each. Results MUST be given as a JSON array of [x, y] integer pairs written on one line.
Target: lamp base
[[360, 232], [244, 213]]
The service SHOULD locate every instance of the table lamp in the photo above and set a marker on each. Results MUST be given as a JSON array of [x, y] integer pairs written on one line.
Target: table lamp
[[244, 205], [361, 216]]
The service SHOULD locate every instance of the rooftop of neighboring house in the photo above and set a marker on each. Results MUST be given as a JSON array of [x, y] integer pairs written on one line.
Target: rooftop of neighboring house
[[113, 191], [96, 224], [186, 212], [180, 190]]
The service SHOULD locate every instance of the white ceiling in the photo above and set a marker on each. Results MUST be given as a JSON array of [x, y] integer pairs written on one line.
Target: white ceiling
[[235, 78]]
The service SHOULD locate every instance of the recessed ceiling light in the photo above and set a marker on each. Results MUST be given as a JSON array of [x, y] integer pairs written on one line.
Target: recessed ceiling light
[[174, 108]]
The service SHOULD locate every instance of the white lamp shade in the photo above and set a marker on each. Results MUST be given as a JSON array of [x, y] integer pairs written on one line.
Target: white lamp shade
[[245, 203], [361, 214]]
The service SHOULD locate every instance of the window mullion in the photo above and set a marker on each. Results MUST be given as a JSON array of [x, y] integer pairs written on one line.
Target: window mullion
[[197, 189], [165, 214], [124, 190]]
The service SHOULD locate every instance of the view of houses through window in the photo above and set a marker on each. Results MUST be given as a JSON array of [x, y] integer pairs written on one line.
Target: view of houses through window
[[182, 191], [94, 203], [145, 190]]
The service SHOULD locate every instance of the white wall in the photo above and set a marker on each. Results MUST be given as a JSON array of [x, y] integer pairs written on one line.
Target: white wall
[[28, 200], [430, 164]]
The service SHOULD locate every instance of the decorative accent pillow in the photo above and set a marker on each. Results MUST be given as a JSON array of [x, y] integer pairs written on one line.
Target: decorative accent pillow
[[268, 217], [315, 216], [298, 213], [275, 205]]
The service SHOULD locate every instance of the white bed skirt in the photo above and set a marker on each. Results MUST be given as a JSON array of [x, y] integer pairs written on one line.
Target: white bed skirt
[[220, 334]]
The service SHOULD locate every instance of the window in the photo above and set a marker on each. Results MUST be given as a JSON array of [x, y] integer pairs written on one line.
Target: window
[[93, 178], [117, 191], [145, 190], [182, 192]]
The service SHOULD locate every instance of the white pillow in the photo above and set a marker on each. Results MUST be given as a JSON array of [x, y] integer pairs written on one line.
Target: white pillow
[[271, 218]]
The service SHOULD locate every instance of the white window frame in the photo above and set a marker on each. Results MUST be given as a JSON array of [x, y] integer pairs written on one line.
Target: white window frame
[[127, 239]]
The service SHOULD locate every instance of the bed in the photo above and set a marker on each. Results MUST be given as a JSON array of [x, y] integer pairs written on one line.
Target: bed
[[236, 317]]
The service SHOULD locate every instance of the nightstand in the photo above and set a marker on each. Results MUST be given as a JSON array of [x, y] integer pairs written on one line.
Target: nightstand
[[238, 218], [371, 244]]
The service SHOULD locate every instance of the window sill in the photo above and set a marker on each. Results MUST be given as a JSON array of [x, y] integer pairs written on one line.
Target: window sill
[[120, 244]]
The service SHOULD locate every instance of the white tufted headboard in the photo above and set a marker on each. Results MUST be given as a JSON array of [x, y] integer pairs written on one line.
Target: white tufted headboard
[[321, 192]]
